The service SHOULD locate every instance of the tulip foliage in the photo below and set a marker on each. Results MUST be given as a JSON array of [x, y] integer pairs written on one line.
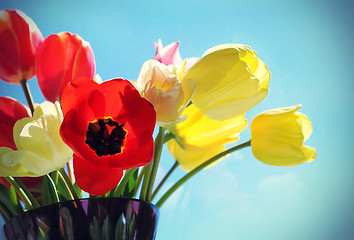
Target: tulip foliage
[[98, 136]]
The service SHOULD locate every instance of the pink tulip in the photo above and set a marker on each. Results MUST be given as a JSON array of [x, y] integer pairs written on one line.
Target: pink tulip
[[167, 55], [19, 41], [61, 58]]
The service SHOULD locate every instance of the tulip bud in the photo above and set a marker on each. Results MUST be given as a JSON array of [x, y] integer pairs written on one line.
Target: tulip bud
[[62, 58], [230, 80], [277, 137], [167, 55], [160, 85], [19, 41]]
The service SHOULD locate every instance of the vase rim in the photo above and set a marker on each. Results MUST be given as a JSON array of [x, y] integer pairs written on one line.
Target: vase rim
[[86, 199]]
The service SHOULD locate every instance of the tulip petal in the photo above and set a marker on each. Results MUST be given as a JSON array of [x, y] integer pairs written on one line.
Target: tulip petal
[[277, 137], [189, 159], [104, 180], [10, 111], [9, 166], [62, 58], [167, 55], [19, 41], [230, 80], [200, 131]]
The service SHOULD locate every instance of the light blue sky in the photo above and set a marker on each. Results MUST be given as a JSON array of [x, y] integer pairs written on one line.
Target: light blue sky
[[308, 47]]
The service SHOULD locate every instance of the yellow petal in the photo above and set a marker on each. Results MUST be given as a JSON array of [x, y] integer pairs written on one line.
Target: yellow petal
[[189, 159], [9, 165], [42, 137], [40, 147], [277, 137], [198, 130], [230, 80]]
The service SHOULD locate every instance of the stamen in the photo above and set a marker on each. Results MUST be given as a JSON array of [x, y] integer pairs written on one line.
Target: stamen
[[106, 136]]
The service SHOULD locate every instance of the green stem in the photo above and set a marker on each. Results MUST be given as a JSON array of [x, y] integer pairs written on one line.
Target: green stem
[[27, 198], [27, 94], [65, 186], [138, 181], [5, 213], [196, 170], [146, 176], [52, 190], [168, 137], [156, 161], [164, 180], [68, 183], [119, 190]]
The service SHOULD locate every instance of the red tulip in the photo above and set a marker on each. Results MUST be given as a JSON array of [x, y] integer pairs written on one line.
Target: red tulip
[[11, 111], [61, 58], [19, 41], [109, 126]]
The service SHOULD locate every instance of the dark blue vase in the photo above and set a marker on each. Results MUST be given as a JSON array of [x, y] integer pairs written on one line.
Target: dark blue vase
[[94, 218]]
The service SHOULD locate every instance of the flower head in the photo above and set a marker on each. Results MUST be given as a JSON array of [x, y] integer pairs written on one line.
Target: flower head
[[199, 138], [109, 126], [40, 149], [62, 58], [167, 55], [10, 111], [277, 137], [19, 41], [160, 85], [230, 80]]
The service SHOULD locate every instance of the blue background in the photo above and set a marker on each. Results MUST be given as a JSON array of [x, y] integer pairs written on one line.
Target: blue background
[[308, 47]]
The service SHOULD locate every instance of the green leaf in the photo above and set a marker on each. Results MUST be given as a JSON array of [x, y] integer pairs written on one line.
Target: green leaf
[[5, 201], [15, 202], [130, 186]]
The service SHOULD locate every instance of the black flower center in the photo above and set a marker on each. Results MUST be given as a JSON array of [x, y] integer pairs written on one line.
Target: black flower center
[[105, 136]]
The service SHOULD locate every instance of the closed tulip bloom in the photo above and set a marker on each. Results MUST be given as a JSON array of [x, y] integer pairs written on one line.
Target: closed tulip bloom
[[167, 55], [160, 85], [277, 137], [10, 111], [40, 149], [199, 137], [62, 58], [230, 80], [19, 41]]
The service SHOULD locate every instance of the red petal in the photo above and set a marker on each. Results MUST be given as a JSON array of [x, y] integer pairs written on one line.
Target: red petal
[[19, 40], [94, 179], [75, 96], [10, 111], [51, 59], [62, 58], [73, 132], [137, 152]]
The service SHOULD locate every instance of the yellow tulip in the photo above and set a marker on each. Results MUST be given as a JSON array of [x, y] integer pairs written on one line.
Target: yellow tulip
[[277, 137], [190, 158], [40, 149], [199, 138], [230, 80], [160, 85]]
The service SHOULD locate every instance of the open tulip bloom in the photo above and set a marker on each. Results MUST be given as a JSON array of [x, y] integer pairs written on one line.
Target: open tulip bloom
[[99, 137]]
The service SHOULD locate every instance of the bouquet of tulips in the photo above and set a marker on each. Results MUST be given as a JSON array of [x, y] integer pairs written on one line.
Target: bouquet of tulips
[[105, 138]]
